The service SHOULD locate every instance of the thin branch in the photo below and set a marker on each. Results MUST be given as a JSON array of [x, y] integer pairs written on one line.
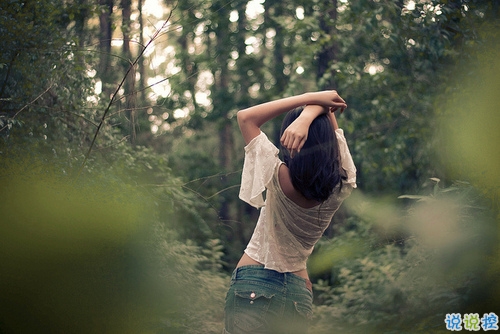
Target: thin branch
[[205, 199], [17, 113], [103, 118], [113, 144], [147, 87], [221, 191], [212, 176], [204, 179], [83, 117], [376, 128]]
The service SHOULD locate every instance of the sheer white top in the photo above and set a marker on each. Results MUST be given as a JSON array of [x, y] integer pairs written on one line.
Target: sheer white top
[[286, 233]]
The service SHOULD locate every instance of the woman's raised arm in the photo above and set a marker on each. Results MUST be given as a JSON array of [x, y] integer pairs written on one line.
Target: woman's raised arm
[[333, 119], [251, 119]]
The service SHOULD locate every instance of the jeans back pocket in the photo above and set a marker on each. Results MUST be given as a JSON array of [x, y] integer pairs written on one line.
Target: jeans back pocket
[[251, 309]]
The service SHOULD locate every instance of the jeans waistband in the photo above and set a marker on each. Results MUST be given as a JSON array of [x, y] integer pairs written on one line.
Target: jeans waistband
[[256, 270]]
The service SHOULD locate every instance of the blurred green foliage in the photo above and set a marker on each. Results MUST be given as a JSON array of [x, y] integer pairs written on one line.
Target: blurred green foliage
[[401, 267], [405, 276], [92, 257]]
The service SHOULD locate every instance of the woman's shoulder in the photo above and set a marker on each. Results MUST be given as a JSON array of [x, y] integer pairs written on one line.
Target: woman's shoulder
[[261, 159]]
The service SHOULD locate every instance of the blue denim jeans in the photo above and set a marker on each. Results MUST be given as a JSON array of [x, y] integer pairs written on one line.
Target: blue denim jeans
[[265, 301]]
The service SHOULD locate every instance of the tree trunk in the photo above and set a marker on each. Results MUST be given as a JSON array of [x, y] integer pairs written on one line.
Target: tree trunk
[[105, 36], [325, 75], [80, 25], [129, 86], [225, 134], [140, 63], [278, 57]]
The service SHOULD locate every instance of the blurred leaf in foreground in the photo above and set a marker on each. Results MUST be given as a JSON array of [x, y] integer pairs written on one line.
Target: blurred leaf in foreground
[[76, 256]]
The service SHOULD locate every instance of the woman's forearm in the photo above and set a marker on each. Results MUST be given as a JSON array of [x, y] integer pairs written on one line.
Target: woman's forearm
[[295, 135], [251, 119], [333, 119]]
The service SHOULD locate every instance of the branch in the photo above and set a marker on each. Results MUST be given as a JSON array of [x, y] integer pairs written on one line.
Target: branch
[[81, 116], [17, 113], [375, 129], [113, 97]]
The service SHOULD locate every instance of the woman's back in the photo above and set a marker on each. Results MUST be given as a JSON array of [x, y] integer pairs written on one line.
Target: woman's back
[[289, 190], [289, 224]]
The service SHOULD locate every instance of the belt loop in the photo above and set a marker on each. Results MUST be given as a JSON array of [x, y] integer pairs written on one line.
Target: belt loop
[[235, 274]]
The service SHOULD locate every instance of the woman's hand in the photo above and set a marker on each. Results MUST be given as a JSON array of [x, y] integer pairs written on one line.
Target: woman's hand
[[295, 135], [328, 98]]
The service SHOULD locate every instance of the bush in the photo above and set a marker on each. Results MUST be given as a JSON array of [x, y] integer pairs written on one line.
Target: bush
[[437, 265]]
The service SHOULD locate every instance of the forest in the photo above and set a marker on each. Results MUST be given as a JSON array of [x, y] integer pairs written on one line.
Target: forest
[[121, 159]]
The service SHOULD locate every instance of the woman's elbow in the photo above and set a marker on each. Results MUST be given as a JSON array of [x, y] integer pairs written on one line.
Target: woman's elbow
[[242, 117]]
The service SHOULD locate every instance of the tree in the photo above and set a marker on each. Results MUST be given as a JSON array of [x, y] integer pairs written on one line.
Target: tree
[[130, 92], [41, 69], [105, 37]]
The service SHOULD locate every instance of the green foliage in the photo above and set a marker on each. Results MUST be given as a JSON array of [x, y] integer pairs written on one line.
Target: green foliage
[[94, 248], [468, 114], [72, 249], [405, 278], [43, 84], [194, 270]]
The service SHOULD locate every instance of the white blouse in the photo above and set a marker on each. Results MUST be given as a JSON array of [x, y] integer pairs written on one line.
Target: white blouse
[[286, 233]]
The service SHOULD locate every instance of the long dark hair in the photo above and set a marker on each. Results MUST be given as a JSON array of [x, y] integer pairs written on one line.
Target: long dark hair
[[315, 169]]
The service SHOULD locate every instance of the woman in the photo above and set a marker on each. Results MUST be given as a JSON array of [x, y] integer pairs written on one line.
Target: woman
[[270, 291]]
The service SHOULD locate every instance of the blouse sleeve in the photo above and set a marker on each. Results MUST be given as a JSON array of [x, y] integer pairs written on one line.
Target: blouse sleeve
[[261, 159], [346, 158]]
